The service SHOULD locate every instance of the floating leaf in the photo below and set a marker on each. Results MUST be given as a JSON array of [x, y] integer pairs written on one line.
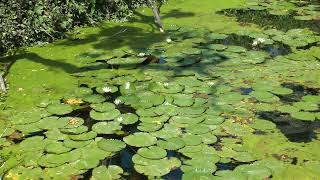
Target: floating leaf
[[107, 173], [104, 116], [140, 139], [111, 145], [59, 109], [171, 144], [152, 152]]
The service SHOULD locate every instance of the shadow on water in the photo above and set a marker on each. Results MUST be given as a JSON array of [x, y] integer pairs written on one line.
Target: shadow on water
[[294, 129], [266, 20], [275, 49]]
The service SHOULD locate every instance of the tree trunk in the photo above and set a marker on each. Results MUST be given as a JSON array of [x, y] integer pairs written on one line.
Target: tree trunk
[[2, 84], [156, 14]]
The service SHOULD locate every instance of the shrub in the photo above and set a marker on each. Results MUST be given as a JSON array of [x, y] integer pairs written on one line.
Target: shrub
[[24, 22]]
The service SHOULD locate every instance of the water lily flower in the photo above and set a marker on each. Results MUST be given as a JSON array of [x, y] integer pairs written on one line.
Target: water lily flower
[[117, 101], [127, 85], [141, 54], [210, 83], [262, 40], [168, 40], [255, 43], [167, 104], [120, 119], [166, 84], [106, 89]]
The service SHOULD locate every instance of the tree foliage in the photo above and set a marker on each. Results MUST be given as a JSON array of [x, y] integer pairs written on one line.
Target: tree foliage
[[24, 22]]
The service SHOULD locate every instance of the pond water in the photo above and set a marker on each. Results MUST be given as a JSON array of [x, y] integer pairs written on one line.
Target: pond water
[[241, 103]]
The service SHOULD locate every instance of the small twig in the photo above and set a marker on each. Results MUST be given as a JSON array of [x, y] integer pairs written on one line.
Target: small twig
[[118, 33]]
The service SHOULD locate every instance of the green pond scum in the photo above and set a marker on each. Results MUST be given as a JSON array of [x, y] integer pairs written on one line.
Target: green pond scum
[[230, 91]]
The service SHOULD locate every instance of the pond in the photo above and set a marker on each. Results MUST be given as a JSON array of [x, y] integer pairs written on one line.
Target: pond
[[242, 104]]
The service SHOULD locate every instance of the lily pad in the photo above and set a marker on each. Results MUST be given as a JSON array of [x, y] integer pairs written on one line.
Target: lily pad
[[304, 116], [111, 145], [57, 148], [59, 109], [83, 137], [171, 144], [103, 107], [152, 152], [107, 173], [140, 139], [106, 127], [127, 119], [254, 171], [104, 116]]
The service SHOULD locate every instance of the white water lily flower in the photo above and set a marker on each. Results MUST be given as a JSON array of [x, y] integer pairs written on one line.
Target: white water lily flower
[[117, 101], [127, 85], [106, 89], [166, 84], [167, 104], [210, 83], [141, 54], [168, 40], [120, 119], [255, 43], [262, 40]]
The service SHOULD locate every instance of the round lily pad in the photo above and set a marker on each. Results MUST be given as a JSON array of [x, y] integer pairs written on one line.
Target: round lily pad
[[185, 120], [52, 122], [103, 107], [183, 100], [197, 129], [76, 144], [282, 91], [311, 98], [213, 120], [306, 106], [94, 98], [264, 96], [127, 119], [76, 130], [287, 109], [111, 145], [140, 139], [55, 134], [192, 140], [83, 137], [106, 127], [150, 127], [171, 144], [254, 171], [104, 116], [155, 167], [59, 109], [261, 124], [304, 116], [152, 152], [244, 157], [107, 173], [57, 148], [209, 138]]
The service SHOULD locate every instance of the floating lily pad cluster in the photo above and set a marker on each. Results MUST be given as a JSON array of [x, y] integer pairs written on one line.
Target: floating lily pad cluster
[[299, 9], [190, 115]]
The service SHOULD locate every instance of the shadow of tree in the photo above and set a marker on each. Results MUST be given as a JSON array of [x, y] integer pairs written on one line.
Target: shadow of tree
[[30, 56], [264, 19]]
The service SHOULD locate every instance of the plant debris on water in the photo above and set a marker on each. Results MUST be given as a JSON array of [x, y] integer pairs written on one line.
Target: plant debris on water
[[207, 105]]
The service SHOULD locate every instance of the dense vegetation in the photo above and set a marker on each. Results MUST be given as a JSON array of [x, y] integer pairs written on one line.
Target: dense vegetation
[[26, 22], [229, 91]]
